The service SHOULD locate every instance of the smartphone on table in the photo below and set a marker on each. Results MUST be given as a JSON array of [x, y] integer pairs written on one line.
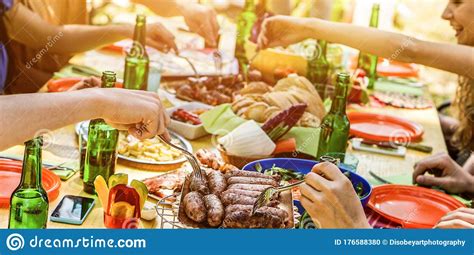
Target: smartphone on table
[[72, 209]]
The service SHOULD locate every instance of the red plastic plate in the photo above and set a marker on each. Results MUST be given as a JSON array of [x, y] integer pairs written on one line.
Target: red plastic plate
[[10, 175], [412, 206], [384, 128]]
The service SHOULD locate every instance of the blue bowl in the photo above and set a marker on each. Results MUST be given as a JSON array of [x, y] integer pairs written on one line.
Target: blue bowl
[[304, 166]]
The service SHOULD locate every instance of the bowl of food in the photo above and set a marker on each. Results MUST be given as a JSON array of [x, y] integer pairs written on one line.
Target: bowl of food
[[185, 120], [292, 170]]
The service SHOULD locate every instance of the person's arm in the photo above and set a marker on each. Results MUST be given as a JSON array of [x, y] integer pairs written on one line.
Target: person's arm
[[199, 18], [282, 31], [30, 29], [25, 114]]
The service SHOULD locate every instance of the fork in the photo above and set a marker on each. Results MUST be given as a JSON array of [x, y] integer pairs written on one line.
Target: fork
[[189, 156], [269, 192]]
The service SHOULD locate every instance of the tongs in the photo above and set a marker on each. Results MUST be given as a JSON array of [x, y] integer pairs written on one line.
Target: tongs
[[197, 175], [267, 194]]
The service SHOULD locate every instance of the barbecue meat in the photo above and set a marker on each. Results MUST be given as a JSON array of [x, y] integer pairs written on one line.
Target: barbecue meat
[[217, 182], [194, 206], [243, 219], [215, 210], [254, 187], [251, 180], [249, 193], [232, 198]]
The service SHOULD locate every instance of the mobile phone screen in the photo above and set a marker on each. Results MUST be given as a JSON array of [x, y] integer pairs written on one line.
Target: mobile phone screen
[[73, 209]]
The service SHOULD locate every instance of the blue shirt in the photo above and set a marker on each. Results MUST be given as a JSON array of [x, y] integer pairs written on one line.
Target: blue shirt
[[4, 6]]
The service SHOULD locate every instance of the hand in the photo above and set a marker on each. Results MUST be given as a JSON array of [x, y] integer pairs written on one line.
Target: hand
[[448, 174], [202, 20], [139, 112], [90, 82], [282, 31], [330, 199], [160, 38], [460, 218]]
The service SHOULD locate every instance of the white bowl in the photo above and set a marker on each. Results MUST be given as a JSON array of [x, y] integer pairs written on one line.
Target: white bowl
[[187, 130]]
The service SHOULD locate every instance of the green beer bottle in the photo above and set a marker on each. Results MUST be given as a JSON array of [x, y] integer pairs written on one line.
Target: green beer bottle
[[318, 68], [29, 202], [335, 125], [368, 62], [101, 154], [136, 61], [245, 22]]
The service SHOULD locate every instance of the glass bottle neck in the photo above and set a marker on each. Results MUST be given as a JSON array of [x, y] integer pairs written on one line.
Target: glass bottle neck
[[108, 79], [249, 5], [31, 171], [323, 48], [338, 105], [139, 35], [374, 17]]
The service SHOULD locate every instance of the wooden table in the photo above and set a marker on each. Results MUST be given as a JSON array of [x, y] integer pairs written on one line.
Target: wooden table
[[380, 164]]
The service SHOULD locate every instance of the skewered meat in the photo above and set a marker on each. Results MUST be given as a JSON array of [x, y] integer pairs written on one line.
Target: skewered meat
[[215, 210], [199, 185], [194, 207], [251, 180], [217, 182], [244, 173], [249, 193], [243, 219], [255, 187], [232, 198]]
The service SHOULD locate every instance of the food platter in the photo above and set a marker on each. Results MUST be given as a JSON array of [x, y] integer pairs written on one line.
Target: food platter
[[82, 127], [173, 216]]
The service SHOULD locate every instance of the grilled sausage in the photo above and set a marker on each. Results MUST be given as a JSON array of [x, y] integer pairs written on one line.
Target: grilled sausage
[[217, 182], [244, 173], [199, 185], [251, 180], [231, 198], [254, 187], [248, 208], [243, 219], [194, 207], [250, 193], [215, 210]]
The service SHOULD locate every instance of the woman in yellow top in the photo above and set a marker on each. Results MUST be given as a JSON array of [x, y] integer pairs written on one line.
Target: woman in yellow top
[[330, 200]]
